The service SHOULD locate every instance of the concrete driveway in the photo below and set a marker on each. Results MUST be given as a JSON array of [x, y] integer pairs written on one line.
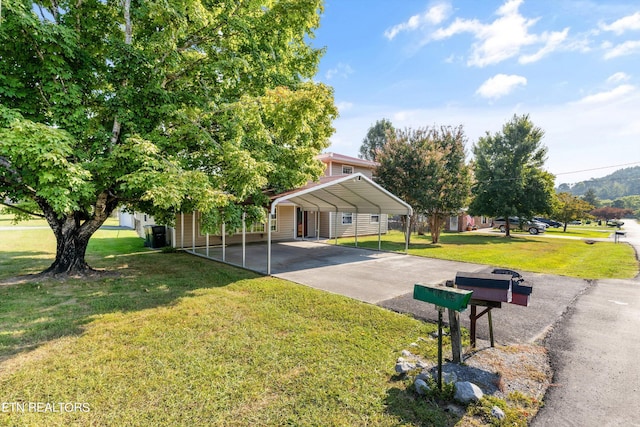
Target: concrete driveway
[[387, 279], [362, 274]]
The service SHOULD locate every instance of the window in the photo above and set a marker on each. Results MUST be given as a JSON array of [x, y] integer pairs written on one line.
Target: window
[[347, 170], [274, 221], [375, 218], [347, 218], [256, 227]]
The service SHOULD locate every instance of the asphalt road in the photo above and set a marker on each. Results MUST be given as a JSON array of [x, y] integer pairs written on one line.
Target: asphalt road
[[595, 350]]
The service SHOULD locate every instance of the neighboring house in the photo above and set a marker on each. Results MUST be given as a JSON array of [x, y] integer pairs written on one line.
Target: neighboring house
[[335, 206], [135, 220], [465, 222]]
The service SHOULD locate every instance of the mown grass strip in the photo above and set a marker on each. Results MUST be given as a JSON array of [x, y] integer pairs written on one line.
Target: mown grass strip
[[539, 254]]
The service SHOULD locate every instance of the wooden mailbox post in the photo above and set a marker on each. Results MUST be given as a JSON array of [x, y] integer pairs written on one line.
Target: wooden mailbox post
[[443, 297]]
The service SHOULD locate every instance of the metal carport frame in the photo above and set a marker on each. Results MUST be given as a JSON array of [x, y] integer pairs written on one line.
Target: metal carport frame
[[346, 193]]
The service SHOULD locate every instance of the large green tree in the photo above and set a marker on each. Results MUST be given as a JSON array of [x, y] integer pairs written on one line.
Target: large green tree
[[427, 168], [377, 137], [160, 106], [509, 175]]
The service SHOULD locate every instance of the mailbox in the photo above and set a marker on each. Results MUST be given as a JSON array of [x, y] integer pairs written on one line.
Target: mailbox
[[520, 294], [452, 298], [486, 286]]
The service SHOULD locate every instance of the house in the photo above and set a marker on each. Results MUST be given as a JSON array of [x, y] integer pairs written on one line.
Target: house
[[313, 216], [466, 222], [346, 201]]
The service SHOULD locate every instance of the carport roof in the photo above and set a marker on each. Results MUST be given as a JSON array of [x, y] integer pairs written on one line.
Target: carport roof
[[344, 193]]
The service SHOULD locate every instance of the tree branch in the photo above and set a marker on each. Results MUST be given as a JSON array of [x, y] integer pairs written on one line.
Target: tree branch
[[21, 209], [128, 39]]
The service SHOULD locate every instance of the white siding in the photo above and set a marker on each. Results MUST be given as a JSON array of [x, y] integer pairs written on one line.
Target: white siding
[[336, 170], [285, 227], [365, 226]]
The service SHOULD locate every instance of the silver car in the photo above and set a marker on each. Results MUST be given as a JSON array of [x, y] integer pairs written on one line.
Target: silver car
[[533, 227]]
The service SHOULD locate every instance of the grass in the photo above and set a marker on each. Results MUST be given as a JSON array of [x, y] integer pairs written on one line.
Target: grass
[[541, 254], [585, 232], [179, 340]]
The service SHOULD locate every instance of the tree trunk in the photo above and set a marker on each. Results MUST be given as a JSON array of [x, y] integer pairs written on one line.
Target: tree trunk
[[435, 226], [71, 247], [73, 232], [507, 224]]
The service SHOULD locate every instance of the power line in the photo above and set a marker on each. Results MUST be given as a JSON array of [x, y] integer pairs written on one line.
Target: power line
[[595, 169]]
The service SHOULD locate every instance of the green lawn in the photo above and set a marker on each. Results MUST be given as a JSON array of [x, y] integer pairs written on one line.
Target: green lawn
[[541, 254], [179, 340], [174, 339]]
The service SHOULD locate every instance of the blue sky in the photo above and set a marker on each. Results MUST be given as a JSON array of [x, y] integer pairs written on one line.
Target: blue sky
[[572, 65]]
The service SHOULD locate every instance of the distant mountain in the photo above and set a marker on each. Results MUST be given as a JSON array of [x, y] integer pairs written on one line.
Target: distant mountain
[[623, 182]]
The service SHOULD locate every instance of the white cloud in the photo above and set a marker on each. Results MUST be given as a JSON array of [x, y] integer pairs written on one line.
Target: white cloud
[[344, 106], [628, 23], [618, 77], [433, 16], [552, 42], [340, 70], [503, 38], [629, 47], [607, 96], [500, 85]]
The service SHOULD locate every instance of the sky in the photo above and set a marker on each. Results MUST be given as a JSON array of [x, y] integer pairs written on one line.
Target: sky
[[572, 65]]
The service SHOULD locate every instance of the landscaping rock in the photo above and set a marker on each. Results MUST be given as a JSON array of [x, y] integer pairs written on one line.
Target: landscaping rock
[[402, 366], [422, 364], [406, 353], [421, 386], [467, 392], [497, 413]]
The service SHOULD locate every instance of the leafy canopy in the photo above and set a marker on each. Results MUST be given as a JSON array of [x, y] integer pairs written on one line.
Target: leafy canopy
[[376, 139], [509, 175], [160, 106], [427, 168]]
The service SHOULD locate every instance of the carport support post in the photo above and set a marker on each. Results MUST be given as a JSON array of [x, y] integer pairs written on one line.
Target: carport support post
[[181, 230], [408, 235], [269, 214], [193, 232], [224, 242], [335, 227], [380, 229], [244, 239], [454, 330], [356, 227]]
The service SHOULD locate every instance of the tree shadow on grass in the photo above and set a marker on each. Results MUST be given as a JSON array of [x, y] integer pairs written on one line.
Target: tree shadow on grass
[[35, 311]]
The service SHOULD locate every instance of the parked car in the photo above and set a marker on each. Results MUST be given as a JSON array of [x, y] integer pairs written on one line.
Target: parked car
[[533, 227], [549, 222], [615, 223], [576, 222]]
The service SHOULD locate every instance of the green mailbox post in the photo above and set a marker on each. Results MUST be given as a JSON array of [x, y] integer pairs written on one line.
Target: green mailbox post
[[443, 297], [453, 298]]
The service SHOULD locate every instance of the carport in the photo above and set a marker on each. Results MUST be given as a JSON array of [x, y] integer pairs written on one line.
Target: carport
[[346, 193], [354, 193]]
